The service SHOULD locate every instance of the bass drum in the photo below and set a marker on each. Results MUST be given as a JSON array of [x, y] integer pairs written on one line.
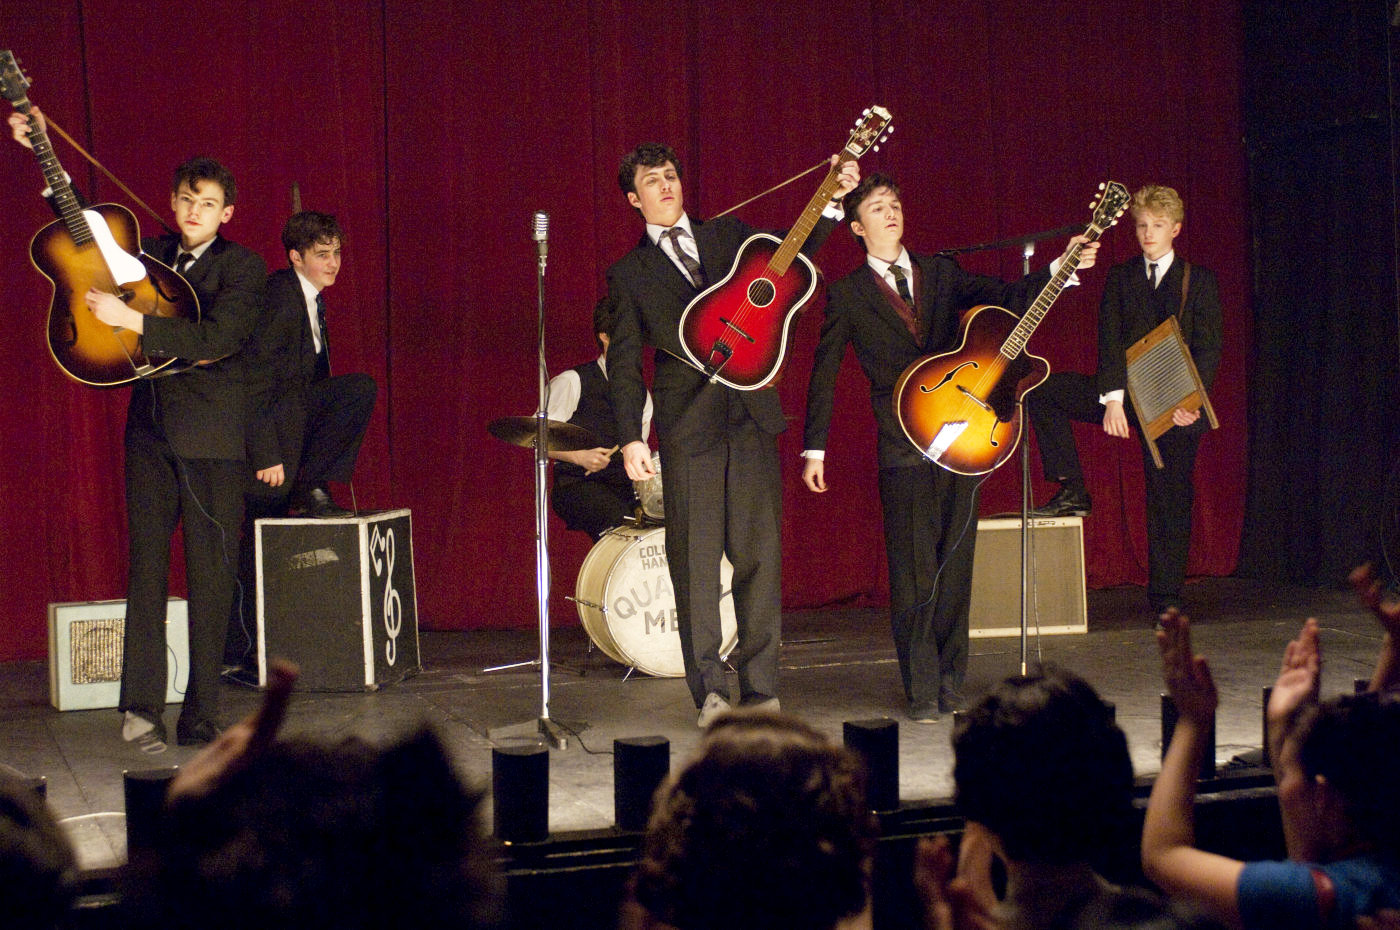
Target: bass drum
[[628, 608]]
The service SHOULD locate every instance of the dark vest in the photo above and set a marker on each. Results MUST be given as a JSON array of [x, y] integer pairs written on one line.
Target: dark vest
[[595, 414]]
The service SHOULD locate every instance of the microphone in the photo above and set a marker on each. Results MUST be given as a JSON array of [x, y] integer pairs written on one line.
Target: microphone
[[541, 236]]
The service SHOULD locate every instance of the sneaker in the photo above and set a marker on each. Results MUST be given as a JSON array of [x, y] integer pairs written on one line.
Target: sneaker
[[148, 735], [715, 707], [923, 713]]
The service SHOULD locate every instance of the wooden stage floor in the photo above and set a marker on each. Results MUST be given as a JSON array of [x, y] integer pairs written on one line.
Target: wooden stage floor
[[837, 665]]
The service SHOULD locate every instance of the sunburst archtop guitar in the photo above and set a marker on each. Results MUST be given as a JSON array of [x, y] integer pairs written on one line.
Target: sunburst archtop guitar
[[962, 409], [96, 247], [737, 331]]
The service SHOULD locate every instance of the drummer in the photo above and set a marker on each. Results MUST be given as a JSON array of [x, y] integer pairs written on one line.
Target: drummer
[[591, 490]]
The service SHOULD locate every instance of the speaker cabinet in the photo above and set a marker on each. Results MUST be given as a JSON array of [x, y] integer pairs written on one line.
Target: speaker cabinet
[[85, 653], [1055, 598], [337, 597]]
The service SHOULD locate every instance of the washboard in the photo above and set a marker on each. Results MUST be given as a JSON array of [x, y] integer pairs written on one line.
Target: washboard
[[1161, 378]]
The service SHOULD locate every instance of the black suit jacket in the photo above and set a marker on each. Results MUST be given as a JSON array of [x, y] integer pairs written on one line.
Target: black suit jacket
[[202, 410], [650, 294], [857, 312], [281, 363], [1128, 312]]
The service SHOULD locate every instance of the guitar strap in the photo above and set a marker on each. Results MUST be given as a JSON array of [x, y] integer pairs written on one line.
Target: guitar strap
[[103, 168]]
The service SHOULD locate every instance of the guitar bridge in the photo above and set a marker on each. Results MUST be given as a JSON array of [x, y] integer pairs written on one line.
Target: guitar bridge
[[729, 325]]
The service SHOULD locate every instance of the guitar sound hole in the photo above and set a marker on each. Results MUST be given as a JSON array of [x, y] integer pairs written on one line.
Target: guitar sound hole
[[761, 292]]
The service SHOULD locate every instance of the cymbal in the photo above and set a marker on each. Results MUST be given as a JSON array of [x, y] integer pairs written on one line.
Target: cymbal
[[560, 437]]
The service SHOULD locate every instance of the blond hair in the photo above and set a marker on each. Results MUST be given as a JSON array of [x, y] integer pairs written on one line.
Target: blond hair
[[1155, 198]]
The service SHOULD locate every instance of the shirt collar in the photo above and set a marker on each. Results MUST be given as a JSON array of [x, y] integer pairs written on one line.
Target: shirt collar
[[654, 231], [882, 267], [197, 251], [308, 290], [1162, 264]]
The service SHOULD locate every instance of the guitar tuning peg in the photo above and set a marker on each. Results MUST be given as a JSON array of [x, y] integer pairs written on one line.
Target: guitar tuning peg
[[865, 112], [877, 148], [1101, 185]]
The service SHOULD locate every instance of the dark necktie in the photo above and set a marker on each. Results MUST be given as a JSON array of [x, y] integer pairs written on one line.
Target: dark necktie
[[1152, 275], [901, 284], [323, 358], [692, 267], [183, 261]]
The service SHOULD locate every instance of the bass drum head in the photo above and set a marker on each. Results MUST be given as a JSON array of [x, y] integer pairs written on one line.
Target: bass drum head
[[628, 607]]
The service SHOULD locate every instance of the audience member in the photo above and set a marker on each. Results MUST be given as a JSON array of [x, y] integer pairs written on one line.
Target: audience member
[[767, 828], [1335, 763], [36, 861], [306, 834], [1044, 780]]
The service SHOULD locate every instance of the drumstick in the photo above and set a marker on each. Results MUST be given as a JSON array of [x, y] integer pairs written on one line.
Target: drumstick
[[613, 451]]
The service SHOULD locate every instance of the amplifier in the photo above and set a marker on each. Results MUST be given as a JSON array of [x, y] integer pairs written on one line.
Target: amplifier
[[336, 595], [85, 653], [1055, 599]]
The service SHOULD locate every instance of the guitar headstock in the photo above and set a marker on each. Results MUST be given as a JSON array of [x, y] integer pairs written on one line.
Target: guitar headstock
[[13, 84], [1113, 199], [873, 127]]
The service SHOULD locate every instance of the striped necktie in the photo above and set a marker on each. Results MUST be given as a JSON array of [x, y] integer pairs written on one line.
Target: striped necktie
[[692, 267]]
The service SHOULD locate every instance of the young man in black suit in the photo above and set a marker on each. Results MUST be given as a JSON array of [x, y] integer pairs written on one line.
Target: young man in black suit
[[896, 308], [184, 453], [591, 489], [718, 445], [1138, 294], [305, 425]]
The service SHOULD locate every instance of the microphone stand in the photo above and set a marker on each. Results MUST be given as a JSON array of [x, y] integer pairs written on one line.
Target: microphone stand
[[547, 728], [1027, 250], [1027, 244]]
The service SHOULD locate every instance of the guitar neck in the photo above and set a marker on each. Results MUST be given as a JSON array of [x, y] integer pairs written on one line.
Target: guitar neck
[[1015, 343], [64, 197], [797, 235]]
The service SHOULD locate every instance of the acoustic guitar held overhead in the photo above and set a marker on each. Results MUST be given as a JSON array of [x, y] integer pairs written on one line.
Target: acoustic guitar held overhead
[[737, 331], [99, 247], [963, 409]]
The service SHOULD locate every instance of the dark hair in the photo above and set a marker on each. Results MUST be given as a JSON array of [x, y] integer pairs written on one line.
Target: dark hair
[[646, 155], [868, 185], [1041, 763], [1353, 741], [36, 862], [324, 837], [205, 169], [767, 828], [305, 229], [603, 312]]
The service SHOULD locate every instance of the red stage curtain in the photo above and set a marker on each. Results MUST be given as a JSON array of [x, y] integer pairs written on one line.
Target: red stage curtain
[[434, 130]]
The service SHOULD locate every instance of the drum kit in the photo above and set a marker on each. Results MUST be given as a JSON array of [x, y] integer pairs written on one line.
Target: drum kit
[[623, 592]]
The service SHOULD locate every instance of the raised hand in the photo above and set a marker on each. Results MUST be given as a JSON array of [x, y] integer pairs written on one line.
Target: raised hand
[[1187, 675]]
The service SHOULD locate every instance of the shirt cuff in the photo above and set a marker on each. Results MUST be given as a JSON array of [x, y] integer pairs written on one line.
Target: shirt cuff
[[834, 211], [1107, 396], [817, 455], [1071, 281], [48, 191]]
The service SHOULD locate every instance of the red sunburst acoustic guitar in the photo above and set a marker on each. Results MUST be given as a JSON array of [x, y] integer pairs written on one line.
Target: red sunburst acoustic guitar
[[736, 331], [962, 409], [98, 247]]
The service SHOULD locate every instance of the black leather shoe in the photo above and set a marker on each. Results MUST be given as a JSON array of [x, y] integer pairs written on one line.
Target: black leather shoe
[[1065, 503], [317, 502], [201, 734]]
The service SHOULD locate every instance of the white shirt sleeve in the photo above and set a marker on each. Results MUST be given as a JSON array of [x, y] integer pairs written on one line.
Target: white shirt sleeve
[[565, 389]]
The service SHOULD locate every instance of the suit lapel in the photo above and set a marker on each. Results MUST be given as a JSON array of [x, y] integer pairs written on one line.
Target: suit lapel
[[879, 305], [663, 270]]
